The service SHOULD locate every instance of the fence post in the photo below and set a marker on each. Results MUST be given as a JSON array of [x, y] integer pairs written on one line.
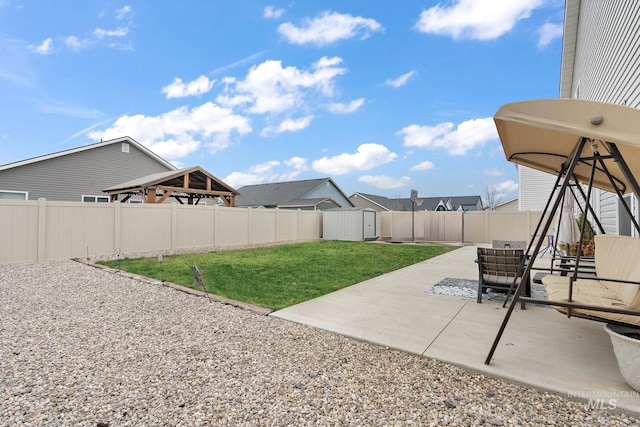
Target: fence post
[[117, 221], [249, 226], [216, 220], [462, 225], [486, 226], [174, 225], [42, 230]]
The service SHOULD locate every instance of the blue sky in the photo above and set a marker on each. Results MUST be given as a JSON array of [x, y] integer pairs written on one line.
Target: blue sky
[[381, 96]]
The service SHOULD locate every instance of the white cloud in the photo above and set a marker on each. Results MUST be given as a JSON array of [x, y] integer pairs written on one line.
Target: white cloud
[[271, 88], [123, 12], [340, 108], [118, 32], [367, 157], [179, 89], [467, 136], [507, 186], [401, 80], [43, 48], [289, 125], [76, 44], [493, 172], [258, 174], [53, 106], [548, 33], [272, 13], [111, 38], [298, 163], [423, 166], [180, 132], [329, 28], [385, 182], [475, 19]]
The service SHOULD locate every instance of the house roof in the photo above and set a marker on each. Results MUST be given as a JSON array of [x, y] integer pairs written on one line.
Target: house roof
[[569, 44], [126, 139], [428, 203], [280, 193], [194, 181], [300, 203]]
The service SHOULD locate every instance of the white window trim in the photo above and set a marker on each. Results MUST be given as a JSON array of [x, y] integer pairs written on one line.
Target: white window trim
[[26, 194], [95, 198]]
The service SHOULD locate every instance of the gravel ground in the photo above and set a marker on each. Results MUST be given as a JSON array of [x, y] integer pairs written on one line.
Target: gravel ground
[[82, 346]]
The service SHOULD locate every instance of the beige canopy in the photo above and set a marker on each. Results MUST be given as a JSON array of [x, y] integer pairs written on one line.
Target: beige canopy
[[542, 135]]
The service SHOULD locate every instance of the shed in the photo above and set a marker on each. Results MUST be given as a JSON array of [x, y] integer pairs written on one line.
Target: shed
[[352, 224]]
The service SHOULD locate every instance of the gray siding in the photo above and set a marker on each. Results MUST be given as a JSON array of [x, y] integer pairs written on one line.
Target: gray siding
[[88, 172], [328, 190], [361, 202]]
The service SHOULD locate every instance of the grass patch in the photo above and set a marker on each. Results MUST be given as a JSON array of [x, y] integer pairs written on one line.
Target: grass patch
[[276, 277]]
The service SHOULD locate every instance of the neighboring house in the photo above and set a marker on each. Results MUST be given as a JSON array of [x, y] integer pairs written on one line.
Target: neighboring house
[[381, 203], [600, 57], [310, 194], [80, 174], [508, 206]]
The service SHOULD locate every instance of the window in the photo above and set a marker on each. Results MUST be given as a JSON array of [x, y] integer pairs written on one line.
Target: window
[[13, 195], [95, 199], [125, 147]]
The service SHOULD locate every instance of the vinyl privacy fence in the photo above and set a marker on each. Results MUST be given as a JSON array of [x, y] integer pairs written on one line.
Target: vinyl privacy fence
[[37, 231], [466, 227]]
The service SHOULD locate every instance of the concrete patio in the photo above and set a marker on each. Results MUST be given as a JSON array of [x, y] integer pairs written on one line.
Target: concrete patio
[[540, 347]]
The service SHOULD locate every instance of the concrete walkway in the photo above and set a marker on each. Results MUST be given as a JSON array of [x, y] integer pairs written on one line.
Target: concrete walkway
[[540, 347]]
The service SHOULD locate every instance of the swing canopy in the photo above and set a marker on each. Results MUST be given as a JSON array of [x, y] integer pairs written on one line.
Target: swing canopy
[[542, 135]]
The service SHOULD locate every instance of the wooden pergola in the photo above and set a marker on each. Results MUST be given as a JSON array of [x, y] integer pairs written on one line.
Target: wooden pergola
[[188, 186]]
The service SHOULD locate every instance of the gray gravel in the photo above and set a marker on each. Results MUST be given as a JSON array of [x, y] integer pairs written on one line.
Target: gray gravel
[[82, 346]]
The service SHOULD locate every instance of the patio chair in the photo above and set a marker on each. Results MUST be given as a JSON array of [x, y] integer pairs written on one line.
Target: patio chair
[[500, 269]]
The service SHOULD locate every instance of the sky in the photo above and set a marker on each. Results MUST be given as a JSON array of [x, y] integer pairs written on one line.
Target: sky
[[381, 96]]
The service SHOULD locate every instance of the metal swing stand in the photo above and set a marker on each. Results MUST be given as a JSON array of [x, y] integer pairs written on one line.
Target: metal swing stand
[[567, 174]]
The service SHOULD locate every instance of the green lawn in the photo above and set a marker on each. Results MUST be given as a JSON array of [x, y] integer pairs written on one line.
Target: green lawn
[[280, 276]]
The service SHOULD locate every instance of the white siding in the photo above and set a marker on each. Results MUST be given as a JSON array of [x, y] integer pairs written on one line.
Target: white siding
[[607, 54], [534, 188], [601, 62]]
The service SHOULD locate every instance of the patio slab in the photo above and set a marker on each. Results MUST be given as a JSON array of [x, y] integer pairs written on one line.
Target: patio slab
[[540, 347]]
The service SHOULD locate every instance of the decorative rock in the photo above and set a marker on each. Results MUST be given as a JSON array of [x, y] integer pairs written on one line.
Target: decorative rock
[[83, 346]]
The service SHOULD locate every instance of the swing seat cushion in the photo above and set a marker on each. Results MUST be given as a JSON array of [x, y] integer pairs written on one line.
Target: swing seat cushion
[[617, 258]]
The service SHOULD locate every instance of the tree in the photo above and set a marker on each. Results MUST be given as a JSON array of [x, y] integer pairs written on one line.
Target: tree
[[492, 198]]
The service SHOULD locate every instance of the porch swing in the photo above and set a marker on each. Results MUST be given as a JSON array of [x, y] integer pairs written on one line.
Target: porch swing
[[583, 143]]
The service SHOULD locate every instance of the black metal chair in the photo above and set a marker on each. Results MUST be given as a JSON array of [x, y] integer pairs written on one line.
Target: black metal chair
[[500, 269]]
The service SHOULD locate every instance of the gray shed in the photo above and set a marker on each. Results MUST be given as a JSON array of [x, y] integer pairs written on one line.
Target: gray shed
[[352, 224]]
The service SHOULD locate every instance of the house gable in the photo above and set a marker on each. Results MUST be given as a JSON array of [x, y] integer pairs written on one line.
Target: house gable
[[287, 193], [381, 203], [86, 171]]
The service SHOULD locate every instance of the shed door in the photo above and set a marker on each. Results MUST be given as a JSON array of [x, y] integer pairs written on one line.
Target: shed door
[[369, 224]]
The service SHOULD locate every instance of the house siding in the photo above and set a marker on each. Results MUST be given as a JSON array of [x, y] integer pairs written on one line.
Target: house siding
[[362, 202], [605, 67], [327, 189], [88, 172], [534, 188]]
